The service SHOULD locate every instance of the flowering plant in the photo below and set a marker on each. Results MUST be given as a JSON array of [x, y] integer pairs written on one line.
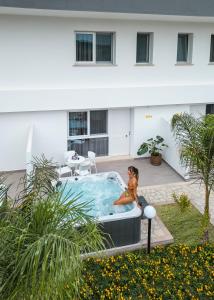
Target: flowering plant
[[173, 272]]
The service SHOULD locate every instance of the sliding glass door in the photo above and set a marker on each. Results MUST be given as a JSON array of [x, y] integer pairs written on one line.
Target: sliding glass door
[[88, 132], [97, 145]]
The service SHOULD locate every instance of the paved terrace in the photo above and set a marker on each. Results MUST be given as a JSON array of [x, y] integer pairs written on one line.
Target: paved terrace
[[149, 175], [156, 184]]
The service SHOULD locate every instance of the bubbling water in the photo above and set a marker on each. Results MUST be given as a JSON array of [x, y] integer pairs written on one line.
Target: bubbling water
[[100, 192]]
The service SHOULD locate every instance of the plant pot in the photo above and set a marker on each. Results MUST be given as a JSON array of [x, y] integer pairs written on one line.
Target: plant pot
[[156, 160]]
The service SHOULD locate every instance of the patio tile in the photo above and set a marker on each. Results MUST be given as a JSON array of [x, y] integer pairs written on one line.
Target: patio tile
[[12, 179], [148, 174], [162, 194]]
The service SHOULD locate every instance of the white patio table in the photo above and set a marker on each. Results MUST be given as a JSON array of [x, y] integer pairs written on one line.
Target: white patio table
[[74, 163]]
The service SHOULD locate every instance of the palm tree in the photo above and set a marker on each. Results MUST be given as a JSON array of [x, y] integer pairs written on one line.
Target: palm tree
[[196, 138], [42, 240]]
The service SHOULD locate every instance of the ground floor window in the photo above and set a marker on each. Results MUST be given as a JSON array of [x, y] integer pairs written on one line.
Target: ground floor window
[[87, 131], [210, 109], [97, 145]]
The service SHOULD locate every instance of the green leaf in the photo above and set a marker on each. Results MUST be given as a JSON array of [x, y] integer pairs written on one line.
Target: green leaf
[[195, 137], [143, 149], [42, 240]]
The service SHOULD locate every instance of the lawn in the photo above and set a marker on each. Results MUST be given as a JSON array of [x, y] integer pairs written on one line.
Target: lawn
[[184, 227]]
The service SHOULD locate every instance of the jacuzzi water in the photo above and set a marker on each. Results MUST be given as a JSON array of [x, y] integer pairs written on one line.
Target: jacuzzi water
[[100, 191]]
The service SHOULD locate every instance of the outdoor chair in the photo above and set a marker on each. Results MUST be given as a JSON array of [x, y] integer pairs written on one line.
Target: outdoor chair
[[92, 158], [68, 155], [84, 168], [64, 171]]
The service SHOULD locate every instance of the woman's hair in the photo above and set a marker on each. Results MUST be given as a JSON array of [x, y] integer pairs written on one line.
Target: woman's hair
[[134, 171]]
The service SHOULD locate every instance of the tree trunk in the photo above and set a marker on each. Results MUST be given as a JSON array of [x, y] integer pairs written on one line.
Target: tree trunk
[[207, 196], [206, 215]]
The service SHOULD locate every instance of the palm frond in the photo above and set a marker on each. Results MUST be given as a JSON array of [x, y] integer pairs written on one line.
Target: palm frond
[[195, 137], [42, 240]]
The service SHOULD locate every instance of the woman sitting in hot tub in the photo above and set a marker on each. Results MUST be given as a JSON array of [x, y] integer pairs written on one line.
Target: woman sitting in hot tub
[[130, 194]]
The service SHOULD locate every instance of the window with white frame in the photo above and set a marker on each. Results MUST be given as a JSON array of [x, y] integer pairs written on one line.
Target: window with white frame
[[88, 123], [184, 48], [144, 48], [95, 47], [212, 48], [88, 132]]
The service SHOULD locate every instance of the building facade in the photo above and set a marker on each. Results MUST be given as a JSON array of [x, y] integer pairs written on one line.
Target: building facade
[[95, 75]]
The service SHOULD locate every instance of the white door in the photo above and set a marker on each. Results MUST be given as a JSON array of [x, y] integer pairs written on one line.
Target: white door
[[119, 131]]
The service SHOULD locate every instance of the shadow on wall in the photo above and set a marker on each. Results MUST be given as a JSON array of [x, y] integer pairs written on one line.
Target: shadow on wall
[[171, 154]]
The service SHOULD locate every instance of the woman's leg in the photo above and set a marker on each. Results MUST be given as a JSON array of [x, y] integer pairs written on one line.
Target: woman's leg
[[122, 196], [123, 200]]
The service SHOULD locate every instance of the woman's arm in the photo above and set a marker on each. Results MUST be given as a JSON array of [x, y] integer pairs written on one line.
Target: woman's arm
[[135, 193], [133, 188]]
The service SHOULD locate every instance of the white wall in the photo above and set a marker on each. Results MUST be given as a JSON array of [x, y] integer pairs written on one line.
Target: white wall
[[50, 137], [118, 130], [171, 154], [198, 110], [151, 121], [38, 73], [50, 133]]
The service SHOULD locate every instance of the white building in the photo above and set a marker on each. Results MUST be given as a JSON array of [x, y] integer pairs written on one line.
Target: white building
[[100, 75]]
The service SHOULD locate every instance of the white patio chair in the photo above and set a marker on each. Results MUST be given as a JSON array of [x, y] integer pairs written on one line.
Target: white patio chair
[[64, 171], [68, 155], [84, 168], [92, 158]]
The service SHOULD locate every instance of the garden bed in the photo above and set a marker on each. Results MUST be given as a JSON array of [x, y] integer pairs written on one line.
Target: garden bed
[[173, 272]]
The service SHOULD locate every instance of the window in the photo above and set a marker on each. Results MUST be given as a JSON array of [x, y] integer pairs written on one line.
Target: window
[[88, 123], [84, 47], [144, 48], [97, 145], [95, 47], [103, 47], [210, 109], [88, 132], [212, 49], [184, 47], [77, 123], [98, 122]]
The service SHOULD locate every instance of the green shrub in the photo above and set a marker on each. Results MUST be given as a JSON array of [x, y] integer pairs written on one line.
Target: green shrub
[[40, 242], [182, 201]]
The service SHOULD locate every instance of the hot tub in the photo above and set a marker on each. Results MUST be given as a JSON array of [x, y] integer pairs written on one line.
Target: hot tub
[[121, 222]]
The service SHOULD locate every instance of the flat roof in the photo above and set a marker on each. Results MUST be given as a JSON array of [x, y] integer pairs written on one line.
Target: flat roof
[[201, 8]]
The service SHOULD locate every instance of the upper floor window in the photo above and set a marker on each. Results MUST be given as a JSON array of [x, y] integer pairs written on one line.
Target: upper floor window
[[212, 49], [144, 48], [94, 47], [184, 48]]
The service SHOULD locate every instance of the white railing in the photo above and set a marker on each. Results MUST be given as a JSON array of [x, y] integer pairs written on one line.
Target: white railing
[[29, 151]]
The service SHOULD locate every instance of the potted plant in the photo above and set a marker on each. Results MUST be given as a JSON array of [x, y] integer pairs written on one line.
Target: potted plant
[[154, 147]]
